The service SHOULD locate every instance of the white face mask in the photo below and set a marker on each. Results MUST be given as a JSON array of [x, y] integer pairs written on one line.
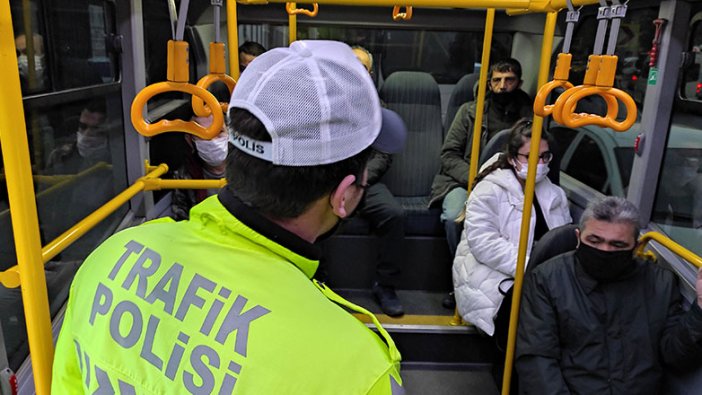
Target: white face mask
[[91, 146], [213, 152], [521, 170], [23, 64]]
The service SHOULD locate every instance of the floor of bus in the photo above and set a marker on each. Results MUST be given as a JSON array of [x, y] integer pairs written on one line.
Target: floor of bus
[[438, 357]]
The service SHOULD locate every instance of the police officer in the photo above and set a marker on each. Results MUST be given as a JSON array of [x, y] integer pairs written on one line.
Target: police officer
[[223, 302]]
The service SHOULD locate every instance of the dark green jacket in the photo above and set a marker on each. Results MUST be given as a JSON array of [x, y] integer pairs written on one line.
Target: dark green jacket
[[455, 153]]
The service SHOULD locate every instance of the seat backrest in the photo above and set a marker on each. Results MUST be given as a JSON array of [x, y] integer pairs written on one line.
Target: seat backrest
[[462, 93], [415, 97], [555, 242]]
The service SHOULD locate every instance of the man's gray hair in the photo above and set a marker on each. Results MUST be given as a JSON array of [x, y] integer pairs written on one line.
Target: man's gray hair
[[614, 210]]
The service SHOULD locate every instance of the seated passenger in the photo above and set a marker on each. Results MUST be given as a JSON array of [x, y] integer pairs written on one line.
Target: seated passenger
[[505, 104], [206, 159], [248, 51], [89, 146], [486, 257], [386, 216], [598, 320]]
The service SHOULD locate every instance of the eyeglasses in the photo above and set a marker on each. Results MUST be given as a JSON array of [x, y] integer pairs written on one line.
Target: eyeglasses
[[96, 128], [545, 156]]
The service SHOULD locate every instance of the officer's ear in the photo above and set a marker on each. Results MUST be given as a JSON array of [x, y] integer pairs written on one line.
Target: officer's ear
[[341, 196]]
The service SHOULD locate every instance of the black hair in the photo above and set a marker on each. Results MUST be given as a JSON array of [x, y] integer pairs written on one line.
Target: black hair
[[281, 192], [507, 65], [518, 135], [252, 48]]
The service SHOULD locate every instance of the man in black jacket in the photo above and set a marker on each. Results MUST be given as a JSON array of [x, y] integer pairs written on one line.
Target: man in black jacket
[[597, 320]]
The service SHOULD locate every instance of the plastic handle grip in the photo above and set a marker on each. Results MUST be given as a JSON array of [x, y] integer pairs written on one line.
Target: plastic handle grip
[[404, 16], [540, 107], [177, 125], [294, 10], [199, 107], [610, 96]]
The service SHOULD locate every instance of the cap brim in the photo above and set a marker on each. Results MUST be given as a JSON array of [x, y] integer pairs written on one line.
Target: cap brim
[[393, 133]]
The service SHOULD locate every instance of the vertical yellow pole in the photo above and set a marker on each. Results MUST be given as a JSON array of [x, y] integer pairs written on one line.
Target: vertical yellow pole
[[480, 100], [25, 224], [480, 106], [233, 38], [292, 25], [544, 67]]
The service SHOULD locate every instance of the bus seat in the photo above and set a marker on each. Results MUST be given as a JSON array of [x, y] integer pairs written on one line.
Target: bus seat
[[463, 92], [415, 97], [555, 242]]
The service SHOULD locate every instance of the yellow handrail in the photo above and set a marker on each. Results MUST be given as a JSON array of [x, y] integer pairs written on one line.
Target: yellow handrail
[[20, 191], [546, 47], [516, 5], [670, 245], [233, 36], [150, 182]]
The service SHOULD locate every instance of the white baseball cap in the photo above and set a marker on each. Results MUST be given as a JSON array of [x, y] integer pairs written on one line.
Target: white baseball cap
[[317, 102]]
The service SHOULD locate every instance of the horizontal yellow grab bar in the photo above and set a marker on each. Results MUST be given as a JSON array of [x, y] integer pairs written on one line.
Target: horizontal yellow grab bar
[[668, 243]]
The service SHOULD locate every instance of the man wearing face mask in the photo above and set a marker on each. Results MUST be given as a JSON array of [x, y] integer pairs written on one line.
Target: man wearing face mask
[[225, 301], [505, 104], [30, 61], [90, 145], [206, 159], [598, 320]]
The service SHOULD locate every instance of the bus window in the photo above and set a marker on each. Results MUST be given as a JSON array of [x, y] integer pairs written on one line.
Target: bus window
[[633, 44], [587, 165], [63, 57], [447, 56], [76, 144], [693, 72]]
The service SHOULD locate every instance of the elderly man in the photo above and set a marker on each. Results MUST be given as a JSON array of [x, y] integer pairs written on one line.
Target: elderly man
[[599, 321]]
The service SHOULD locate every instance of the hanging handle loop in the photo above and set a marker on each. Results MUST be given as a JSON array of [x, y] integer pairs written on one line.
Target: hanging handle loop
[[401, 16], [293, 10], [217, 74]]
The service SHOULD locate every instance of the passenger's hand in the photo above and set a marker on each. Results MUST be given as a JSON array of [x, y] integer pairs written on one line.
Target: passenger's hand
[[699, 287]]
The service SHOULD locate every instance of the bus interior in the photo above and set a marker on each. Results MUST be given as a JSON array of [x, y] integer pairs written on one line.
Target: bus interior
[[98, 54]]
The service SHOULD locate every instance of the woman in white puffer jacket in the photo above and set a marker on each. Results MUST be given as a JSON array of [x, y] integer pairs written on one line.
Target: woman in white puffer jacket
[[486, 258]]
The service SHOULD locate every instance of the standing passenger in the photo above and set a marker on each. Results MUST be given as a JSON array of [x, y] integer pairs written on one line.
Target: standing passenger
[[505, 104], [486, 257], [599, 321], [248, 51], [223, 302], [205, 160]]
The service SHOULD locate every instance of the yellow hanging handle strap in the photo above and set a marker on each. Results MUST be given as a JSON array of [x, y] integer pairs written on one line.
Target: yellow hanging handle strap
[[334, 297], [401, 16], [178, 76], [292, 9], [560, 80], [599, 80], [217, 74]]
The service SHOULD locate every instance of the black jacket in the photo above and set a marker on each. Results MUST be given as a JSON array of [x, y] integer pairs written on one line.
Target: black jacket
[[583, 337], [455, 152]]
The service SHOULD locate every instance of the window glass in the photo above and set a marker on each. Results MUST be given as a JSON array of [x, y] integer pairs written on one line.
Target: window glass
[[76, 142], [563, 138], [625, 162], [447, 56], [69, 52], [587, 165], [633, 43], [692, 78]]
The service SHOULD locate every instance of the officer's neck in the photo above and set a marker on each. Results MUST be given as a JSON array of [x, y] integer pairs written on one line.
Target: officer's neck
[[312, 223]]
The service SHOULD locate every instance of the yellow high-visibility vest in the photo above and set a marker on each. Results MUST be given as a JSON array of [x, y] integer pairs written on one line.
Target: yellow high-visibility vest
[[209, 306]]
